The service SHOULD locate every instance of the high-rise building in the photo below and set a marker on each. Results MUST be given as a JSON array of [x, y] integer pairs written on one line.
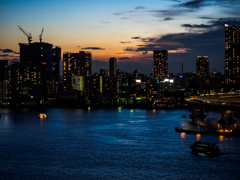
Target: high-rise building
[[202, 66], [160, 63], [42, 54], [232, 53], [112, 66], [27, 85], [56, 63], [3, 78], [76, 64], [3, 70]]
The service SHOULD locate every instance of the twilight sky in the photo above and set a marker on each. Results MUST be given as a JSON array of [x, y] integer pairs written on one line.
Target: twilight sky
[[128, 29]]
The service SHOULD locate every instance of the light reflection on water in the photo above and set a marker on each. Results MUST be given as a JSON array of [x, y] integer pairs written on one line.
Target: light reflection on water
[[108, 144], [183, 135], [198, 137]]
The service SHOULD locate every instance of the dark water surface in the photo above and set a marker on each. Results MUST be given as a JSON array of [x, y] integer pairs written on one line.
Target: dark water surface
[[109, 144]]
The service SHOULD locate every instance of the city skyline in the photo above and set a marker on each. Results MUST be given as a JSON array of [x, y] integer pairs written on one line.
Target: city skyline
[[129, 31]]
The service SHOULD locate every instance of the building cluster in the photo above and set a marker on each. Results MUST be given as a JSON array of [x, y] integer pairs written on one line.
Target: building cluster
[[35, 80]]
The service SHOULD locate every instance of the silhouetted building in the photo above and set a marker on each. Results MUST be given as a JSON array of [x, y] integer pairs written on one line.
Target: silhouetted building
[[3, 70], [202, 66], [56, 68], [27, 84], [104, 72], [3, 78], [232, 53], [112, 67], [76, 64], [41, 53], [96, 90], [56, 63], [160, 63]]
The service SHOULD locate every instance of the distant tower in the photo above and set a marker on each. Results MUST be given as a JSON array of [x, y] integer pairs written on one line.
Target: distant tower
[[202, 66], [160, 63], [232, 53], [112, 66]]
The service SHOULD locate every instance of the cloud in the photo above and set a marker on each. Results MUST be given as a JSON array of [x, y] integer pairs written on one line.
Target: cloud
[[171, 12], [180, 50], [140, 7], [78, 46], [3, 55], [196, 25], [129, 49], [104, 22], [124, 42], [7, 50], [185, 47], [123, 58], [124, 18], [16, 52], [117, 14], [168, 19], [193, 4], [204, 17], [137, 37], [93, 48]]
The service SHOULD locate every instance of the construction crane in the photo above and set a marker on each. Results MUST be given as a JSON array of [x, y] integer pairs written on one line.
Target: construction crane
[[40, 36], [26, 34]]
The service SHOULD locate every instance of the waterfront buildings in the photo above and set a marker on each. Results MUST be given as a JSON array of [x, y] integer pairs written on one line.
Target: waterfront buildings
[[232, 53], [202, 66], [3, 82], [38, 54], [35, 77], [96, 90], [27, 85], [160, 63], [112, 66], [76, 64]]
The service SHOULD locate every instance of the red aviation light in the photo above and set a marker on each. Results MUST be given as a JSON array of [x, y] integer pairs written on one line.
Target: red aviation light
[[44, 63], [13, 62]]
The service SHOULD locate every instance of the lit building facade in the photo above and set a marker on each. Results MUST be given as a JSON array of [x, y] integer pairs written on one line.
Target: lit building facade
[[41, 53], [160, 63], [202, 66], [3, 82], [232, 53], [112, 66], [96, 90], [76, 64], [27, 85]]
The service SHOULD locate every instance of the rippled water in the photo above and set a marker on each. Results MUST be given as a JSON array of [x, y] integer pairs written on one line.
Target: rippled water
[[109, 144]]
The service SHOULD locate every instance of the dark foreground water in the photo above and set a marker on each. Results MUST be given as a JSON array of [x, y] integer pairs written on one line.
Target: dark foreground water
[[109, 144]]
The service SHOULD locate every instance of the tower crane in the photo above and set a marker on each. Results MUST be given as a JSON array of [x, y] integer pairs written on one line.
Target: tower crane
[[26, 34], [40, 36]]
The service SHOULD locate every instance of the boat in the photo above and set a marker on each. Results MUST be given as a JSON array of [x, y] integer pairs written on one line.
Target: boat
[[42, 115], [230, 133], [205, 148]]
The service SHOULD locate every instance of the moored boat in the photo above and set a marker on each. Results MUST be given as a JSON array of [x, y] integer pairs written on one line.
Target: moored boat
[[205, 148]]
